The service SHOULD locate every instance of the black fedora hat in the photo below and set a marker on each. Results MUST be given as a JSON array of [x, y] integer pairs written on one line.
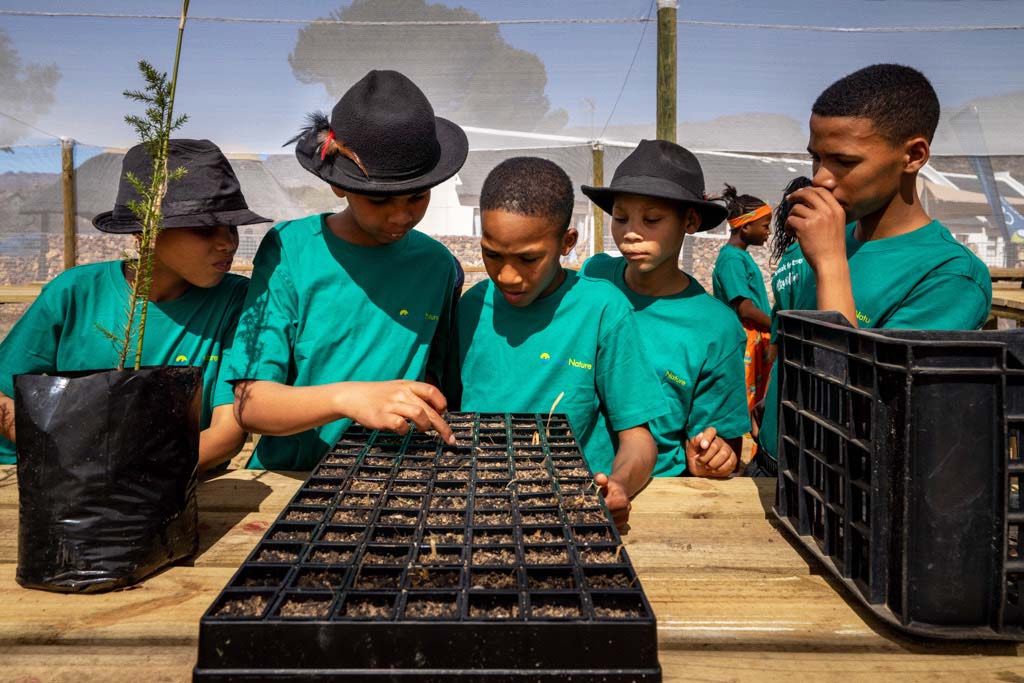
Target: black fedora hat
[[208, 195], [392, 143], [658, 168]]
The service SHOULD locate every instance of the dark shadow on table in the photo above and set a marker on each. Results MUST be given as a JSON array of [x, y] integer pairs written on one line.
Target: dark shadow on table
[[766, 491], [233, 500]]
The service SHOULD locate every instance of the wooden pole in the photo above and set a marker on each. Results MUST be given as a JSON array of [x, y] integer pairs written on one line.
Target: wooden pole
[[67, 163], [667, 69], [598, 156]]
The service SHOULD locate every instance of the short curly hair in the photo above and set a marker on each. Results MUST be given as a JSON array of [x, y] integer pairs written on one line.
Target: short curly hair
[[529, 186], [900, 102]]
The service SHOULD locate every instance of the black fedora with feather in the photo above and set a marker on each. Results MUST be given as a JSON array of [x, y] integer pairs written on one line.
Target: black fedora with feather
[[382, 139]]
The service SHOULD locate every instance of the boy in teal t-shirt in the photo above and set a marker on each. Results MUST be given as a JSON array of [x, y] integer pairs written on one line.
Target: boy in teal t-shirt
[[535, 334], [348, 311], [701, 372], [695, 342], [194, 301], [866, 247]]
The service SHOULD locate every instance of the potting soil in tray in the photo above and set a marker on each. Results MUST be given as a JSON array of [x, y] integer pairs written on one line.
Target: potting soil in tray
[[403, 558]]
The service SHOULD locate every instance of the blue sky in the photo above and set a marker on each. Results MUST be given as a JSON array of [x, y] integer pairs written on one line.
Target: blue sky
[[239, 89]]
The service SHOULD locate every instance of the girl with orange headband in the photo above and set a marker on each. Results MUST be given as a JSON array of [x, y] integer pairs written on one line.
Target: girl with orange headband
[[738, 283]]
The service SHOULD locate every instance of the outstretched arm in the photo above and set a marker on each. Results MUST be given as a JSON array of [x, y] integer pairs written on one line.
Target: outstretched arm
[[631, 470], [222, 439], [268, 407]]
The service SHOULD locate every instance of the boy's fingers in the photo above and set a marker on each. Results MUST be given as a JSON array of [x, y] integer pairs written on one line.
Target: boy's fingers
[[426, 418], [719, 459], [430, 394], [705, 438], [711, 453]]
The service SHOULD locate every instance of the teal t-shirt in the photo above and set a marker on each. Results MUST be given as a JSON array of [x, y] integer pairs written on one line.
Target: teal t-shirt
[[581, 339], [322, 310], [923, 280], [58, 333], [696, 345], [736, 276]]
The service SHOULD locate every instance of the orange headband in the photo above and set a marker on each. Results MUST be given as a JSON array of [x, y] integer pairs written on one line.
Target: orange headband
[[759, 212]]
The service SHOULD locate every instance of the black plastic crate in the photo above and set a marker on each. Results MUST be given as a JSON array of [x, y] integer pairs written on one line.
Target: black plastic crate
[[900, 468], [495, 560]]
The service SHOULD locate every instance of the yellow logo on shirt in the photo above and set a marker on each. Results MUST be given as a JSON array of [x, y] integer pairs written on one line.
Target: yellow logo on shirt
[[181, 359], [403, 312], [863, 318], [581, 365], [675, 378], [213, 358], [545, 357], [431, 316]]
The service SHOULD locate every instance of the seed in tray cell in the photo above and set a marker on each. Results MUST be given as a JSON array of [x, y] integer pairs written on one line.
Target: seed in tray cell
[[403, 502], [557, 609], [277, 555], [501, 579], [331, 556], [443, 536], [442, 518], [601, 555], [300, 515], [350, 516], [538, 501], [421, 577], [447, 503], [540, 536], [397, 517], [587, 516], [492, 518], [574, 472], [453, 475], [543, 555], [431, 608], [500, 556], [497, 537], [367, 609], [534, 487], [355, 500], [542, 518], [243, 606], [368, 486]]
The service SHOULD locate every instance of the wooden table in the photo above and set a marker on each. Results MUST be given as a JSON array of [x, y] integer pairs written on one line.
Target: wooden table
[[19, 294], [734, 599], [1008, 303]]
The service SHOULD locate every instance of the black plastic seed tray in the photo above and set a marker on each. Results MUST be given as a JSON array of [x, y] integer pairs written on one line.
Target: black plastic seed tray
[[405, 559], [900, 469]]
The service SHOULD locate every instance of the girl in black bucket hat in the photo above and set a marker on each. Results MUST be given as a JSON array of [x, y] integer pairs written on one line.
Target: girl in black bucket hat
[[695, 342], [341, 302], [194, 300]]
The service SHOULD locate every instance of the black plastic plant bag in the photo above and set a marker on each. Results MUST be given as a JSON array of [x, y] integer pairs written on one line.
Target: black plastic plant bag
[[106, 475]]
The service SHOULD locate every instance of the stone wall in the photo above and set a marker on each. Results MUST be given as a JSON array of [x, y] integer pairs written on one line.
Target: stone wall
[[704, 253]]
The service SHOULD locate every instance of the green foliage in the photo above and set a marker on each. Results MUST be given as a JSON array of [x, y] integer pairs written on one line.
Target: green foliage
[[154, 129]]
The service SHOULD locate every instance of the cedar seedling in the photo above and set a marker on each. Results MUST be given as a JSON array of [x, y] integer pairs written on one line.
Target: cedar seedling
[[154, 130]]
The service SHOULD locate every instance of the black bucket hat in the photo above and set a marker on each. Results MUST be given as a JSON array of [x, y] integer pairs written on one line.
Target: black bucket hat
[[658, 168], [394, 143], [208, 195]]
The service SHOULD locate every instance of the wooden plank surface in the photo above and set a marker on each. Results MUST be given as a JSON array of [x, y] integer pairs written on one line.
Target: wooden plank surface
[[735, 600], [19, 294]]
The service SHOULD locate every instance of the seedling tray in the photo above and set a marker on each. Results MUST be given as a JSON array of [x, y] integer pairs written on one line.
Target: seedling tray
[[900, 469], [405, 559]]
